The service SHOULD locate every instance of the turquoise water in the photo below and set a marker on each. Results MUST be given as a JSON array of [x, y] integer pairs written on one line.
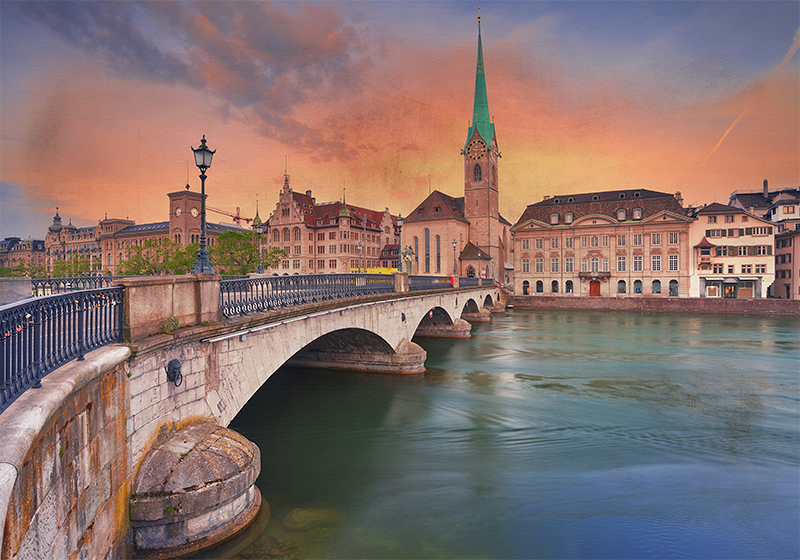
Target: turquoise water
[[545, 435]]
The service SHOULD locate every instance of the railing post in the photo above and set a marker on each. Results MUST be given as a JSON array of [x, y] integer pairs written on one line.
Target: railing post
[[37, 345], [81, 326]]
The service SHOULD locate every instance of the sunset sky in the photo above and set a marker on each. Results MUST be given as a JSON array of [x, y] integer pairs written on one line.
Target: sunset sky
[[101, 101]]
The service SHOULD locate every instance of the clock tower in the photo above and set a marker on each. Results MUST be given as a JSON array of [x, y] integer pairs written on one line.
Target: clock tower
[[481, 195]]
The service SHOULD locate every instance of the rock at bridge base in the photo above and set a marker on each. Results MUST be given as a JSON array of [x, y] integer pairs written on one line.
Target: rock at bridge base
[[194, 490], [409, 358]]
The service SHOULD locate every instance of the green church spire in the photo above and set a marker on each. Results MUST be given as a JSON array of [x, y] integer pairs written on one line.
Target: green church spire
[[480, 106]]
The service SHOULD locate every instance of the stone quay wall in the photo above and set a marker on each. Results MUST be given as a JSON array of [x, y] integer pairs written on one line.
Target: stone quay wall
[[658, 304], [64, 467]]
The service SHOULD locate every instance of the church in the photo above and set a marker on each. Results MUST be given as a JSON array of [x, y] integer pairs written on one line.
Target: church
[[465, 236]]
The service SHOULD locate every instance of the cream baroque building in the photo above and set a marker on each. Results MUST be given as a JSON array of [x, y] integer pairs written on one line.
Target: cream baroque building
[[624, 243]]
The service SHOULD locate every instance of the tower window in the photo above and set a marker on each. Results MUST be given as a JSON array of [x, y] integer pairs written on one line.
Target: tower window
[[477, 173]]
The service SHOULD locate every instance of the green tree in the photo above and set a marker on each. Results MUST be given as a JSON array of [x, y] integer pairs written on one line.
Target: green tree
[[237, 253], [23, 269], [70, 267], [158, 257]]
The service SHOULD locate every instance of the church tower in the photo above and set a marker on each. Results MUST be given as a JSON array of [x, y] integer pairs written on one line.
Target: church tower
[[481, 195]]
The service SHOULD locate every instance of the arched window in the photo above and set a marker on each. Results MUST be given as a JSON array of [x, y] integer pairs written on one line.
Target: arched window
[[286, 235], [438, 254], [673, 288], [554, 218], [526, 287], [595, 262], [568, 217], [470, 272], [637, 287], [477, 173], [416, 252], [621, 215], [656, 286], [276, 236], [568, 287], [427, 250], [637, 213], [297, 234], [554, 286], [622, 287], [539, 287]]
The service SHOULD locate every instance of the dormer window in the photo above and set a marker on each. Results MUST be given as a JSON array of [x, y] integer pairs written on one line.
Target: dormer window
[[568, 217], [621, 214], [622, 195], [637, 213], [637, 194], [571, 199], [556, 200], [595, 197], [554, 218]]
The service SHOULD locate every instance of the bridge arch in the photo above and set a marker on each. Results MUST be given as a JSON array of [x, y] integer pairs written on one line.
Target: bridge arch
[[470, 306], [436, 316], [487, 301]]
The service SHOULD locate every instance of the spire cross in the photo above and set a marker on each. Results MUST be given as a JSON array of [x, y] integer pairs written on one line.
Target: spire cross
[[479, 13]]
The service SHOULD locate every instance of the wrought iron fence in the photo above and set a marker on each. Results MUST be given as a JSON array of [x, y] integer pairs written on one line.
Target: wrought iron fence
[[48, 286], [38, 335], [419, 282], [240, 297]]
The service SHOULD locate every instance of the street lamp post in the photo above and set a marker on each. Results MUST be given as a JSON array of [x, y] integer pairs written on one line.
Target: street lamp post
[[358, 250], [202, 158], [454, 257], [399, 242], [258, 228]]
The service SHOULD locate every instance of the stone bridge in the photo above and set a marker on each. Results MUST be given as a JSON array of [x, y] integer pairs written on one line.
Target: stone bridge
[[111, 455]]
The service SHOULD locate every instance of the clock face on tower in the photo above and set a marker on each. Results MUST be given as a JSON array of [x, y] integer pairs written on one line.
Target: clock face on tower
[[476, 149], [178, 212], [194, 212]]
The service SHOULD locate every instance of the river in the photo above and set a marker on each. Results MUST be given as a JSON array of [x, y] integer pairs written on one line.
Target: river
[[545, 435]]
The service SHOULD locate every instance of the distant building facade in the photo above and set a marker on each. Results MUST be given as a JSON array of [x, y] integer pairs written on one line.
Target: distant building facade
[[15, 251], [622, 243], [732, 253], [331, 237], [107, 245]]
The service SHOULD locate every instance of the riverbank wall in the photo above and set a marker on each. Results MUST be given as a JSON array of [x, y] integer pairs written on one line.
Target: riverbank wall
[[659, 305]]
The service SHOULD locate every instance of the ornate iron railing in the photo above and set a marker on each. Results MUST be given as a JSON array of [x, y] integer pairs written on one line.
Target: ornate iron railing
[[418, 282], [48, 286], [38, 335], [240, 297]]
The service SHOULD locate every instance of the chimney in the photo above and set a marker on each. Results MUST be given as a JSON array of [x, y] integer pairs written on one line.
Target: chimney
[[679, 198], [766, 189], [308, 192], [546, 197]]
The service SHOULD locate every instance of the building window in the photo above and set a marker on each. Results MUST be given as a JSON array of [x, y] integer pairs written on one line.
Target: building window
[[526, 286], [656, 262], [539, 266], [539, 287], [621, 214], [554, 286], [553, 265], [554, 243], [438, 254], [742, 250], [553, 218], [673, 263], [637, 263], [595, 264], [637, 287], [637, 213], [320, 264], [584, 240], [568, 243], [427, 250], [539, 243], [711, 220], [568, 217], [568, 287], [673, 238], [584, 265], [728, 219], [622, 287], [285, 265], [762, 269], [477, 173], [526, 265], [637, 239], [656, 287], [416, 251], [620, 241], [763, 250], [605, 265], [721, 251], [296, 263], [747, 269], [332, 263], [568, 265], [730, 269], [621, 264], [605, 241], [526, 244], [717, 268], [655, 239], [595, 241]]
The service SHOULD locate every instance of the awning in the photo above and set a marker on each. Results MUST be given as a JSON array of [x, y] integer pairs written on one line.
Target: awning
[[731, 281]]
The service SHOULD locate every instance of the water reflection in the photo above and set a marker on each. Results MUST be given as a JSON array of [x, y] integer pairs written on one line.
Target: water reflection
[[564, 435]]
